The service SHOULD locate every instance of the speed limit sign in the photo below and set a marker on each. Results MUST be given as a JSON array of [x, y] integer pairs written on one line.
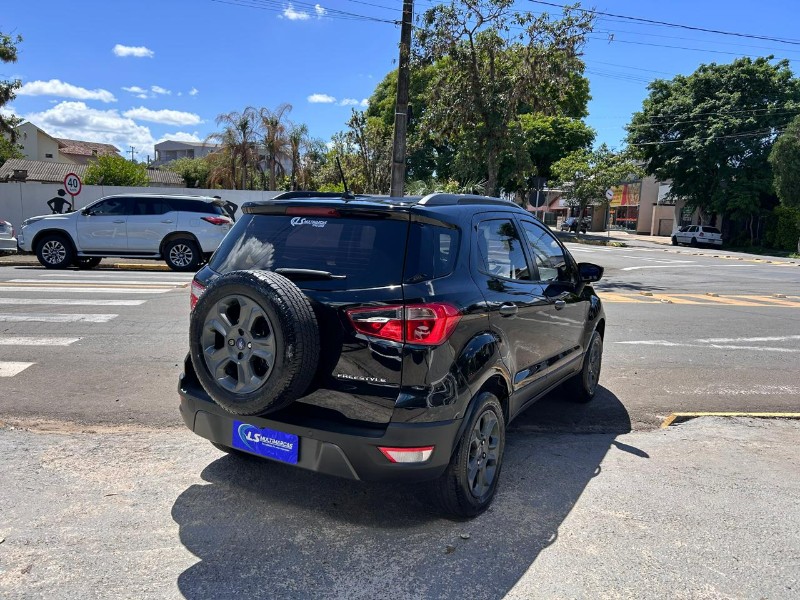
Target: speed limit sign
[[73, 185]]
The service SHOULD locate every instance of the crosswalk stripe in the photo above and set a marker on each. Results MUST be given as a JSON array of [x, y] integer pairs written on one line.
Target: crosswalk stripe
[[82, 290], [37, 341], [104, 282], [69, 302], [55, 318], [130, 276], [11, 368]]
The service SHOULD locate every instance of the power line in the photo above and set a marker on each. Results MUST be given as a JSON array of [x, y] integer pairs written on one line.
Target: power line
[[618, 41], [767, 38], [278, 7], [760, 133]]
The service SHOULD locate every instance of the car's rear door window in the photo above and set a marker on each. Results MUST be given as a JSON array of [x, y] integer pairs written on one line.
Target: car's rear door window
[[369, 252], [711, 230], [501, 250]]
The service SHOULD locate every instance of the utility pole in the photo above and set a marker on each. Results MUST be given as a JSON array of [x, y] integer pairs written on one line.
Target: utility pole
[[401, 108], [132, 151]]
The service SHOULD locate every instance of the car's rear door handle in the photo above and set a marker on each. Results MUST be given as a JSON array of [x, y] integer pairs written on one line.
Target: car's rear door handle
[[120, 221], [559, 304], [508, 310], [167, 221]]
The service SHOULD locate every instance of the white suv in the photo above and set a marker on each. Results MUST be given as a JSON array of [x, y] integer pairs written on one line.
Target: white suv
[[697, 235], [182, 230]]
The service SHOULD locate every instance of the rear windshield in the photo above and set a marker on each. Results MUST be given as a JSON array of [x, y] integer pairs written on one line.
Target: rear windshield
[[710, 230], [369, 251]]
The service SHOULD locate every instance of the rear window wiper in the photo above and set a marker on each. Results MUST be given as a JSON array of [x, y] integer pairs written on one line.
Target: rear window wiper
[[308, 274]]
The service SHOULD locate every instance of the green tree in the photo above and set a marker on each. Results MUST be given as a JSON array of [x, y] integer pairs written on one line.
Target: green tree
[[195, 171], [115, 170], [298, 142], [711, 133], [585, 175], [8, 54], [785, 161], [493, 64]]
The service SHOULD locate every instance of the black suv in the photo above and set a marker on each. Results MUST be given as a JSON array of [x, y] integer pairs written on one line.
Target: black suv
[[387, 338]]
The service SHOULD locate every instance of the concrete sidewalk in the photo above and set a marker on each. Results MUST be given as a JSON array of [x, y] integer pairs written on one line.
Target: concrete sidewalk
[[706, 509]]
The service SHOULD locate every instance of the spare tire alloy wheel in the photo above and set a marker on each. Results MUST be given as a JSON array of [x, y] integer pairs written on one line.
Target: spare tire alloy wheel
[[254, 342], [54, 252], [182, 255]]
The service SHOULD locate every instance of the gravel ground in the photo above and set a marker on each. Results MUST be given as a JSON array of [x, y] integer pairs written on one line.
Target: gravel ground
[[707, 509]]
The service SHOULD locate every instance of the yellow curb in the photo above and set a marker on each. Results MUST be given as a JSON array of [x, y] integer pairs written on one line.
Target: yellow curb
[[137, 267], [681, 417]]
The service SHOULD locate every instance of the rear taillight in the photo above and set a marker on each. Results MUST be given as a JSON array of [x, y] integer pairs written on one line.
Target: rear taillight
[[701, 234], [197, 291], [407, 455], [426, 324], [217, 220]]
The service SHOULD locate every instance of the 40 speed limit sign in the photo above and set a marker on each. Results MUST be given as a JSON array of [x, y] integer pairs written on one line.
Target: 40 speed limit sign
[[72, 184]]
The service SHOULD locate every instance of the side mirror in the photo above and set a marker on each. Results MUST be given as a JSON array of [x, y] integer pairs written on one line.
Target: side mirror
[[590, 272]]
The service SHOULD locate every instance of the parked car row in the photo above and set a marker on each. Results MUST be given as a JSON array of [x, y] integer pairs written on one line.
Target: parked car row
[[8, 243]]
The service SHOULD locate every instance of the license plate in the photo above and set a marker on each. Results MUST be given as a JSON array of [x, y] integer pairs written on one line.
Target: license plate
[[266, 442]]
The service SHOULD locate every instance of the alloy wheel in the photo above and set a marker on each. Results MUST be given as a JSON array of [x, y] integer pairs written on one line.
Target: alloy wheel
[[54, 252], [181, 255], [484, 447]]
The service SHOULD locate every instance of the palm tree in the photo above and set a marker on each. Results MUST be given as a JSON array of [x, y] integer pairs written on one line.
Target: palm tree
[[239, 136], [275, 139], [298, 139]]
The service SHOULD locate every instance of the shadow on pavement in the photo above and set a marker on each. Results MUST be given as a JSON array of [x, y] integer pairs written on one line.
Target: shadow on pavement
[[263, 529]]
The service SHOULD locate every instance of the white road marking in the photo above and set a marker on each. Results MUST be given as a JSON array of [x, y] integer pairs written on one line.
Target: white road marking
[[103, 282], [55, 318], [154, 276], [715, 346], [758, 390], [783, 338], [693, 265], [69, 302], [37, 341], [82, 290], [10, 368]]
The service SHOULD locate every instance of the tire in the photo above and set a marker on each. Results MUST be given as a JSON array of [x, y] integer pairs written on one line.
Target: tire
[[54, 251], [459, 492], [582, 386], [87, 262], [674, 241], [693, 243], [182, 255], [254, 342]]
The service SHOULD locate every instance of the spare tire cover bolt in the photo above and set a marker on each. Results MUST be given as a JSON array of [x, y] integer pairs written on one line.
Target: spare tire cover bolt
[[231, 342], [249, 344]]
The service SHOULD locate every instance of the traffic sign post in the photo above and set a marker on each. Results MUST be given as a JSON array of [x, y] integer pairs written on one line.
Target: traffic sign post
[[73, 184]]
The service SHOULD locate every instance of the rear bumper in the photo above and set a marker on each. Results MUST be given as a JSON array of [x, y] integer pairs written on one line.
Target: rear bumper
[[351, 454]]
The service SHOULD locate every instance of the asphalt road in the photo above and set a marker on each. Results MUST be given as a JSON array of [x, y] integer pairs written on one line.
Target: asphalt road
[[107, 346]]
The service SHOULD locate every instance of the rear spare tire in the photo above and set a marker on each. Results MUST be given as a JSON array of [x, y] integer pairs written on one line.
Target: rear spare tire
[[254, 342]]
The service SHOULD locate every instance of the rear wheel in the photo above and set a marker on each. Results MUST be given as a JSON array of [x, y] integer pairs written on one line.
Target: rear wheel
[[87, 262], [581, 387], [468, 485], [693, 243], [674, 241], [55, 252], [182, 255]]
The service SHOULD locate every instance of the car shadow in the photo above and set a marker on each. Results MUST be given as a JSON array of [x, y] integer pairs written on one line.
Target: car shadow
[[263, 529]]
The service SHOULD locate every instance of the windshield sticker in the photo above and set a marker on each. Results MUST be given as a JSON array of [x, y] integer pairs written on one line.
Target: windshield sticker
[[302, 221]]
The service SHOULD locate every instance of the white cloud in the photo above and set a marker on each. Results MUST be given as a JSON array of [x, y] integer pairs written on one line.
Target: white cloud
[[321, 99], [136, 51], [194, 91], [56, 87], [293, 15], [348, 102], [320, 11], [165, 117], [157, 89], [180, 136], [142, 96], [135, 89], [77, 121], [364, 102]]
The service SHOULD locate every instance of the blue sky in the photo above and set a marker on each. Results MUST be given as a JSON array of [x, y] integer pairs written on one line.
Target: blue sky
[[150, 70]]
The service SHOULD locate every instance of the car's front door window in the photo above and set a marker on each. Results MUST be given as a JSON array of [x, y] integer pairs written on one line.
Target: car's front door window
[[548, 255], [112, 206]]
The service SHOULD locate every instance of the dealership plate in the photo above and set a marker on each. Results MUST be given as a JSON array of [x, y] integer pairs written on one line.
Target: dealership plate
[[266, 442]]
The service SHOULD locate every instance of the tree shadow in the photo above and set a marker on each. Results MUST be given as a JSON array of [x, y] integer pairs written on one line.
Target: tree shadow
[[609, 285], [264, 529]]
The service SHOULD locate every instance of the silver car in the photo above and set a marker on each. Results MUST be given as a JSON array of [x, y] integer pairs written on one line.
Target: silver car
[[8, 243], [181, 230]]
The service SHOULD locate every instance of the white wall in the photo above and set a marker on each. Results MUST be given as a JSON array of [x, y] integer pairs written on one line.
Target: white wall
[[18, 200]]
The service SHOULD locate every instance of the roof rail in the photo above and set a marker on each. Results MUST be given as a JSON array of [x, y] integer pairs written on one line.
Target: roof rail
[[442, 199]]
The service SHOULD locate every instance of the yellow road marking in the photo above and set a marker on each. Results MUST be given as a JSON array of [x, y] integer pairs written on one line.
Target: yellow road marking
[[681, 417], [723, 300], [743, 300], [772, 301]]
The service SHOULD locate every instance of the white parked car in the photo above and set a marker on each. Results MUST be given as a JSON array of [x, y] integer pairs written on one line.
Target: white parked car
[[8, 243], [697, 235], [181, 230]]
